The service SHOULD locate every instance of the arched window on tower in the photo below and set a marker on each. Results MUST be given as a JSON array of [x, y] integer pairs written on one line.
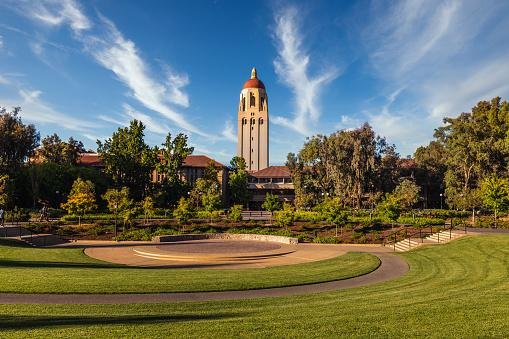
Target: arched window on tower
[[262, 103], [244, 121], [252, 100], [253, 121], [243, 103], [260, 121]]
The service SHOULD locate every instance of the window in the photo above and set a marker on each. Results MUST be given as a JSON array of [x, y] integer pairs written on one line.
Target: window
[[260, 121], [253, 121], [252, 100], [243, 103], [262, 102]]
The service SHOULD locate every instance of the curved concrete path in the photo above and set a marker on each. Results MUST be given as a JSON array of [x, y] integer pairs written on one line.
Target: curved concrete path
[[391, 267]]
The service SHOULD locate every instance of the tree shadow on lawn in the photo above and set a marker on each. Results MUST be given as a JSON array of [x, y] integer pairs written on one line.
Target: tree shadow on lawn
[[57, 264], [9, 322]]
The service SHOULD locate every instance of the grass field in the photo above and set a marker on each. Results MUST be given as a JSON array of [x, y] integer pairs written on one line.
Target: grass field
[[456, 290], [25, 269]]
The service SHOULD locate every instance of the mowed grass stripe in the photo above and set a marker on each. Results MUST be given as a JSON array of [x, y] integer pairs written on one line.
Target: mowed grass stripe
[[455, 290], [63, 270]]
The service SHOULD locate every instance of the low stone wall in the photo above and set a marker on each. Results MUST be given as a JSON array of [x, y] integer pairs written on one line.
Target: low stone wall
[[226, 236]]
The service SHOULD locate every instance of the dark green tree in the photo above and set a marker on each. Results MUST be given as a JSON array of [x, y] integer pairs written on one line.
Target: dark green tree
[[476, 147], [173, 154], [128, 159], [238, 181], [60, 152], [17, 141]]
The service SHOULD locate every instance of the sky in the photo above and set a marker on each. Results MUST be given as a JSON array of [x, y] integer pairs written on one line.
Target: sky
[[86, 68]]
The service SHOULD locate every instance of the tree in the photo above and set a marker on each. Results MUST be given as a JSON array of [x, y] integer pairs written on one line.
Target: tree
[[431, 167], [271, 203], [4, 197], [475, 148], [147, 207], [407, 194], [128, 159], [60, 152], [211, 201], [81, 199], [173, 153], [335, 213], [17, 141], [208, 185], [236, 213], [184, 211], [495, 194], [118, 202], [389, 207], [286, 216], [349, 164], [238, 181]]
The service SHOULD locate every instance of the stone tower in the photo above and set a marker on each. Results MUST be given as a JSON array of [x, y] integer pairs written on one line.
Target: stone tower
[[253, 124]]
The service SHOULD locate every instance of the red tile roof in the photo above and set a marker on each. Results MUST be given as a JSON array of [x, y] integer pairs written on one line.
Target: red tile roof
[[90, 159], [200, 161], [93, 159], [273, 172]]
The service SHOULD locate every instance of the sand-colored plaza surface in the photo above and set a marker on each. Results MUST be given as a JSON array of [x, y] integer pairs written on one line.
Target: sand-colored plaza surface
[[219, 254]]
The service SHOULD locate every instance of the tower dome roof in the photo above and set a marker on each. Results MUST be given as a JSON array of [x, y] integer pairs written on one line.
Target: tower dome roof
[[254, 82]]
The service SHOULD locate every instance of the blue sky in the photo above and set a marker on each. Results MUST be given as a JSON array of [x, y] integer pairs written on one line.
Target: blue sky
[[85, 68]]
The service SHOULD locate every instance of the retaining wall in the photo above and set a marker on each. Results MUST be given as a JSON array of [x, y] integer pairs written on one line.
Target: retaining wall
[[226, 236]]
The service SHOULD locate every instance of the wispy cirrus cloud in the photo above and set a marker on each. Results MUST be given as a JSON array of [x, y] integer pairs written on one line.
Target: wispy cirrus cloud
[[152, 125], [110, 49], [121, 56], [228, 132], [36, 110], [292, 67], [445, 55], [53, 13]]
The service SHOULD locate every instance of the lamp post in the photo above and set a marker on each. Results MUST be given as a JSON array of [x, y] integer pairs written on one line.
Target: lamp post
[[441, 198]]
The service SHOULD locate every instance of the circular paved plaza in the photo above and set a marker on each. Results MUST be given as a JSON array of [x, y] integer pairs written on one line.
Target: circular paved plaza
[[213, 253]]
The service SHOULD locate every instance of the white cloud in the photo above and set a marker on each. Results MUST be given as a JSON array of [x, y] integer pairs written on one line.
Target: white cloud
[[149, 122], [56, 13], [121, 56], [113, 121], [36, 110], [292, 68], [3, 80], [1, 42], [228, 132], [444, 55], [113, 51], [347, 122], [176, 82]]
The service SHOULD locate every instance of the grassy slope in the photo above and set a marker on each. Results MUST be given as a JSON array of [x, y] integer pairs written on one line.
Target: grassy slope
[[37, 270], [455, 290]]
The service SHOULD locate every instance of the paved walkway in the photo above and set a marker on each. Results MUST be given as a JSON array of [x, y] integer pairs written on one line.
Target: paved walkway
[[392, 267]]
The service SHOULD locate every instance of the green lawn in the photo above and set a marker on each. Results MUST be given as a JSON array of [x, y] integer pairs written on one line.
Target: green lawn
[[40, 270], [456, 290]]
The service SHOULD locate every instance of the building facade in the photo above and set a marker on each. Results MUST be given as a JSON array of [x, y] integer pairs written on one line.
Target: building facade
[[253, 124]]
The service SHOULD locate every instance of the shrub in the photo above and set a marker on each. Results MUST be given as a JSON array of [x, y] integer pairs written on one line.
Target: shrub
[[135, 235], [165, 231], [421, 222], [235, 213], [286, 217], [325, 240], [17, 214], [309, 216]]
